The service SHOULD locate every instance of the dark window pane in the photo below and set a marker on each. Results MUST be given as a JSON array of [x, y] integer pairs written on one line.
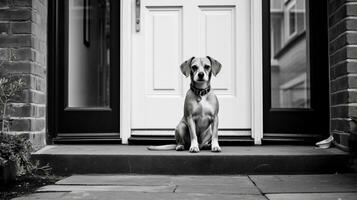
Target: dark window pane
[[290, 73], [88, 53]]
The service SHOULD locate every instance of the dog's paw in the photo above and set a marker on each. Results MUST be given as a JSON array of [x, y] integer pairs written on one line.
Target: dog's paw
[[216, 149], [180, 147], [194, 149]]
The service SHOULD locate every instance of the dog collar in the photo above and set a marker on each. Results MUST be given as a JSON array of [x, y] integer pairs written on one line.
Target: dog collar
[[200, 92]]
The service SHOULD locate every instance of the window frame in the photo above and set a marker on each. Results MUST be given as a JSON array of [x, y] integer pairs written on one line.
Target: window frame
[[288, 6]]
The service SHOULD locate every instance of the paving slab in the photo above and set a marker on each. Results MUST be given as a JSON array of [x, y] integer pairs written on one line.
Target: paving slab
[[217, 189], [211, 180], [71, 188], [306, 183], [114, 179], [313, 196], [44, 196], [215, 185], [117, 195]]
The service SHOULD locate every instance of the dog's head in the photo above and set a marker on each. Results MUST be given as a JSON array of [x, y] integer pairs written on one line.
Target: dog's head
[[200, 69]]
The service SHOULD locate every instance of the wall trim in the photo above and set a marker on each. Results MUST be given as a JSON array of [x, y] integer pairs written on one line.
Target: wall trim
[[257, 71], [125, 69]]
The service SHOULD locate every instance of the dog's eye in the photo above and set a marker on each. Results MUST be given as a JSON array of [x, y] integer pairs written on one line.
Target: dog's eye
[[194, 68], [206, 67]]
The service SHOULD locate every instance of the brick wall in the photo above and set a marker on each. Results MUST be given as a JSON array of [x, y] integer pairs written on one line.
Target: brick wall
[[23, 47], [343, 67]]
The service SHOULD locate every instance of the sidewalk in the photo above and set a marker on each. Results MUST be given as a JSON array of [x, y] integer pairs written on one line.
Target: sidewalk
[[154, 187]]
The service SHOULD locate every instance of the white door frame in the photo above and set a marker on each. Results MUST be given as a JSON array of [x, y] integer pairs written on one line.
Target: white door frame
[[127, 27]]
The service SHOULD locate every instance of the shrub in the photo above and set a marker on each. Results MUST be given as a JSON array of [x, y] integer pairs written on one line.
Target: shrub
[[14, 148]]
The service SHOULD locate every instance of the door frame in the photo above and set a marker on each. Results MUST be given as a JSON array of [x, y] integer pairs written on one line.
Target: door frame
[[127, 27]]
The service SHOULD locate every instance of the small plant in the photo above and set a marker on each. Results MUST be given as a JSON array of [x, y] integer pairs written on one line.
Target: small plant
[[14, 148], [10, 86]]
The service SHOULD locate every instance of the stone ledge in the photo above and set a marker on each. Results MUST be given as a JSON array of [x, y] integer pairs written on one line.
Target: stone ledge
[[80, 159]]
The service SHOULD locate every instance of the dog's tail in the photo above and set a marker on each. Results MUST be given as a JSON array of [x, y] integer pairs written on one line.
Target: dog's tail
[[162, 147]]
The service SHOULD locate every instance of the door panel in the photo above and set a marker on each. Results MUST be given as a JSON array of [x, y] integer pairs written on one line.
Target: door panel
[[172, 31]]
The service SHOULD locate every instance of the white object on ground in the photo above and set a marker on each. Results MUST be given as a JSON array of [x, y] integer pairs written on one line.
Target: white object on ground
[[324, 144]]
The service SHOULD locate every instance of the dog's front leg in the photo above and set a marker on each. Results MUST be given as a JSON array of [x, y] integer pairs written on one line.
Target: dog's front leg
[[215, 145], [192, 129]]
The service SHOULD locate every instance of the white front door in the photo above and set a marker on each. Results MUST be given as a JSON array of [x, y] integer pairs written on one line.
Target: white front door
[[172, 31]]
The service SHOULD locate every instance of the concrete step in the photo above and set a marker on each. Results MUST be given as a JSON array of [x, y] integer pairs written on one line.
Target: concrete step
[[124, 159]]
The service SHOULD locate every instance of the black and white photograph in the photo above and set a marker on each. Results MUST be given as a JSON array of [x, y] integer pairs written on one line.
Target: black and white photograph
[[178, 99]]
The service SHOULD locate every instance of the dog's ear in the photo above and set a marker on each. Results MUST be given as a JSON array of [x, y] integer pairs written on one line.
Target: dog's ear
[[216, 66], [186, 67]]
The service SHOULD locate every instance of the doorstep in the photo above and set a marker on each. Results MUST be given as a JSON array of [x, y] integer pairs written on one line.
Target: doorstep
[[126, 159]]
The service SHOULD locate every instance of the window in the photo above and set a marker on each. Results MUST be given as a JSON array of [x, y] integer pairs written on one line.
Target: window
[[290, 73], [290, 15], [88, 53]]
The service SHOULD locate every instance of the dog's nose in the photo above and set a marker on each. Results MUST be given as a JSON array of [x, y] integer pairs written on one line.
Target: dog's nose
[[201, 75]]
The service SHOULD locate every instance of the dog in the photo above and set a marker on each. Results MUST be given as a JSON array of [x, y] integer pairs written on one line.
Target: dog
[[198, 128]]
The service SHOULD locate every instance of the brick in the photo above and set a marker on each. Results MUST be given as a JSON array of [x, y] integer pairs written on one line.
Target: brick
[[21, 125], [4, 28], [21, 27], [339, 56], [344, 83], [336, 4], [338, 15], [343, 54], [344, 97], [22, 3], [338, 43], [23, 54], [340, 125], [43, 2], [15, 14], [30, 96], [337, 29], [342, 12], [351, 24], [342, 139], [38, 140], [32, 124], [4, 54], [348, 38], [351, 9], [4, 3], [15, 41], [27, 110], [34, 82], [342, 26], [344, 68], [343, 111], [25, 68]]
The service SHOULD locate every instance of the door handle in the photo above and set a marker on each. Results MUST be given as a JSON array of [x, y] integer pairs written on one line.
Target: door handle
[[137, 15]]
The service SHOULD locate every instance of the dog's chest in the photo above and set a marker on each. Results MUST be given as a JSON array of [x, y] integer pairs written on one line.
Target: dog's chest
[[203, 110]]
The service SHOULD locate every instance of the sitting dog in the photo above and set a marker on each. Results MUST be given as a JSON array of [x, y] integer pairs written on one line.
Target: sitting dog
[[198, 128]]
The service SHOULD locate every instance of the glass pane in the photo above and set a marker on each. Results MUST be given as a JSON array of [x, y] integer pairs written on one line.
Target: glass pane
[[88, 53], [292, 20], [290, 73]]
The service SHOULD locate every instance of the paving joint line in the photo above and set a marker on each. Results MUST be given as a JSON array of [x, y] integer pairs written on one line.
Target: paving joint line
[[261, 192]]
